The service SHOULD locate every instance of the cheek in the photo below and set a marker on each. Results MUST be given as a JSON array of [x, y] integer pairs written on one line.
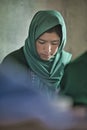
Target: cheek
[[54, 49], [38, 48]]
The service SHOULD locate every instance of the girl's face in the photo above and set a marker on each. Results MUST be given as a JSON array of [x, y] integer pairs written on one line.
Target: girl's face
[[47, 45]]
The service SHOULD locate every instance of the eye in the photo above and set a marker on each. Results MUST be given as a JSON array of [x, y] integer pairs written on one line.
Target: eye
[[55, 43], [41, 42]]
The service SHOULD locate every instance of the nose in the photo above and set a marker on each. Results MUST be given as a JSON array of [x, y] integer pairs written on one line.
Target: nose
[[47, 48]]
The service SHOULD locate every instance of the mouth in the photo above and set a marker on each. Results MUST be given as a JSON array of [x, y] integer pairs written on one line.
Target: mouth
[[45, 56]]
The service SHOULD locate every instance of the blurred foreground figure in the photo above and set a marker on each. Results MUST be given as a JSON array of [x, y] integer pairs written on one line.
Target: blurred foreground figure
[[25, 108], [74, 85], [74, 82]]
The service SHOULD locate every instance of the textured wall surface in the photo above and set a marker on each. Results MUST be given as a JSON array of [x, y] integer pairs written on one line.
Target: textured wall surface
[[15, 17]]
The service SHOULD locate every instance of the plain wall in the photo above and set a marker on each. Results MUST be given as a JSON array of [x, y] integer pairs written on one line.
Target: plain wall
[[15, 17]]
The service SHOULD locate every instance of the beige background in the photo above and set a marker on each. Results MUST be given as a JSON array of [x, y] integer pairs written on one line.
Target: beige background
[[15, 17]]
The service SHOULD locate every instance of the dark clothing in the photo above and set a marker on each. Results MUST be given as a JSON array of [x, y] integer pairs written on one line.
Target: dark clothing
[[74, 81], [16, 69]]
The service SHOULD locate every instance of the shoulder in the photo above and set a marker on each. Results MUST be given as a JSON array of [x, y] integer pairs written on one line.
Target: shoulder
[[14, 66], [14, 63], [15, 57], [77, 66], [79, 61]]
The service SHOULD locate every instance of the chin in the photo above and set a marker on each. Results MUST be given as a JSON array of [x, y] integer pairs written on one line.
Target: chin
[[46, 59]]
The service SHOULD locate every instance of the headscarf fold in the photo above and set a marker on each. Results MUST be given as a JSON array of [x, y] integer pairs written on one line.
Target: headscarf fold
[[50, 71]]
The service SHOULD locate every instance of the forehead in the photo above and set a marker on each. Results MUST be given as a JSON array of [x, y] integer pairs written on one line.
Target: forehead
[[49, 36]]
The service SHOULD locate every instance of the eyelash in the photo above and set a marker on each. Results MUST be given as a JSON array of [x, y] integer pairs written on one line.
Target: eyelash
[[41, 42], [55, 43]]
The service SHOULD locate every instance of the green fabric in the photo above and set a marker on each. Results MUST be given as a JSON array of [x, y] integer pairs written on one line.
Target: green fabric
[[49, 71], [74, 81]]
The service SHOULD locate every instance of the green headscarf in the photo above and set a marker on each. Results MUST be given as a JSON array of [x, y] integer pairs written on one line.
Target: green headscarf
[[49, 71]]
